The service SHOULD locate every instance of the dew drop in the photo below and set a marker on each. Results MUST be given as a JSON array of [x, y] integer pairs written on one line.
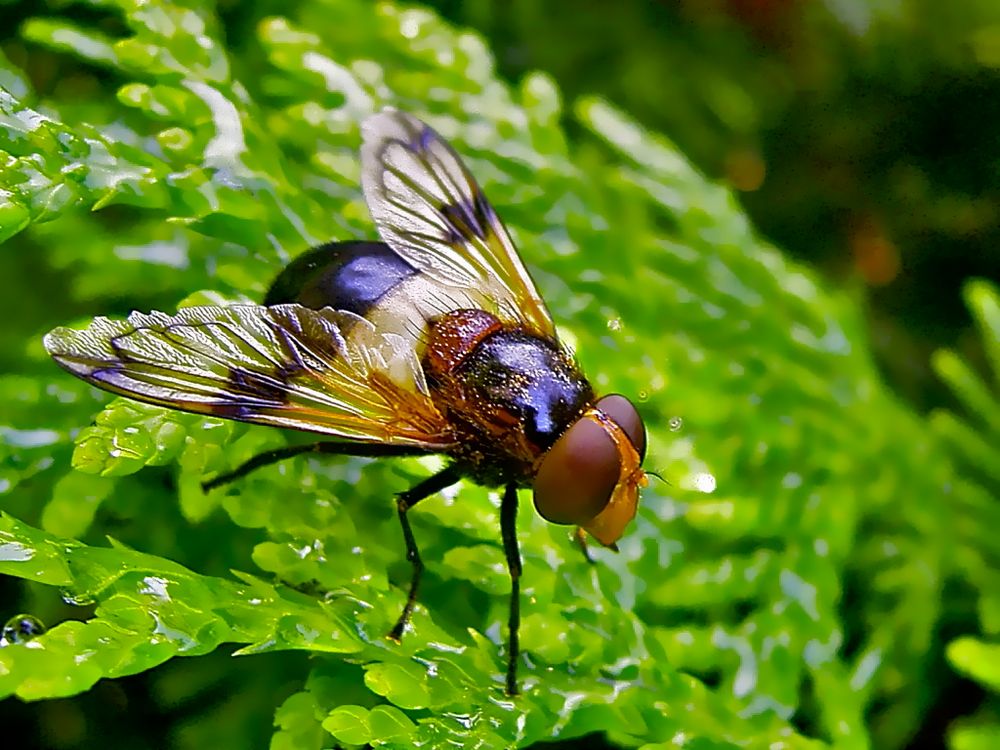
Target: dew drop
[[643, 396], [76, 600], [704, 482], [615, 324], [15, 552], [21, 629], [675, 423], [466, 721]]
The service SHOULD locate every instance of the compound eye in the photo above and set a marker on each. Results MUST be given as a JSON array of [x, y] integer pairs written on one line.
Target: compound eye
[[578, 474], [623, 413]]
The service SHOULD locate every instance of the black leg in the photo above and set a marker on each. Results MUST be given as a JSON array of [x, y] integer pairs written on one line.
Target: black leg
[[328, 447], [405, 501], [508, 531]]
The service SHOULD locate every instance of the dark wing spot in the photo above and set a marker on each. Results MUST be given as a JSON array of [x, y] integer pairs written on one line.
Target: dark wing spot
[[422, 139], [453, 233], [467, 219], [251, 391], [484, 210], [257, 386]]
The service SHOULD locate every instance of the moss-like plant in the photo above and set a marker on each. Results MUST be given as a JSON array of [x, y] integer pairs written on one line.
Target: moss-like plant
[[782, 590], [975, 442]]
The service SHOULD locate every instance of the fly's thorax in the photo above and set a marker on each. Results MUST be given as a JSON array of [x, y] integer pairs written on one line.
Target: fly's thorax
[[453, 337], [532, 379], [510, 392]]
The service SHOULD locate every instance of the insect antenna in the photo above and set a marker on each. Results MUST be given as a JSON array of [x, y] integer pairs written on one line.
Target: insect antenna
[[657, 475]]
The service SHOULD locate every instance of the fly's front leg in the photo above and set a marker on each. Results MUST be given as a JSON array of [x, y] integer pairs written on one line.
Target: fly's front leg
[[580, 537], [327, 447], [405, 501]]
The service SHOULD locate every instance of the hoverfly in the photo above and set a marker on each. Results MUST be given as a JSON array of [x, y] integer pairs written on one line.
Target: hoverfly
[[434, 340]]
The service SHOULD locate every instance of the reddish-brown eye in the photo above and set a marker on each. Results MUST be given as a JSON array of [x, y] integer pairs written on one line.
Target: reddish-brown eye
[[623, 414], [576, 477]]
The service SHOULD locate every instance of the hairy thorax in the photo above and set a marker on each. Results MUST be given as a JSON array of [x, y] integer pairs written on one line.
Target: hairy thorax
[[508, 393]]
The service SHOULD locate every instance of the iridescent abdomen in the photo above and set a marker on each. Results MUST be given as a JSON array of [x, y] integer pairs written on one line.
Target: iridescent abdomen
[[353, 276]]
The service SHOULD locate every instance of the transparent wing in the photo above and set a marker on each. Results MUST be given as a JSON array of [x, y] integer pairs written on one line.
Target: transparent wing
[[430, 209], [322, 371]]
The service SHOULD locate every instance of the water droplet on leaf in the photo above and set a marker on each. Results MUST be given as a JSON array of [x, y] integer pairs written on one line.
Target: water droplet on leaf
[[21, 629], [704, 482], [15, 552], [675, 423], [77, 600]]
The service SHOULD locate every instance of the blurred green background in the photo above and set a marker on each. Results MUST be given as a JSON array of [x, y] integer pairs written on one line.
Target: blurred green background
[[859, 138]]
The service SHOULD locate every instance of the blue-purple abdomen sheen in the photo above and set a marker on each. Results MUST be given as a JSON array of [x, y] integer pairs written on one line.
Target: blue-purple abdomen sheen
[[351, 276], [530, 378]]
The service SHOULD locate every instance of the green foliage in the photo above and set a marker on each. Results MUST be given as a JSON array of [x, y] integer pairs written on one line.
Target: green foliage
[[974, 443], [856, 130], [793, 606]]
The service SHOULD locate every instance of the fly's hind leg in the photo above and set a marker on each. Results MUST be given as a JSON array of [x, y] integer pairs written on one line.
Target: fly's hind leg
[[404, 501]]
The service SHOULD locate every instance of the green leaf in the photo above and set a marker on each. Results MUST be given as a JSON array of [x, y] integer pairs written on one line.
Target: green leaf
[[349, 724], [390, 725], [298, 723], [402, 684], [76, 498], [974, 738], [149, 610], [983, 300], [978, 659], [783, 586]]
